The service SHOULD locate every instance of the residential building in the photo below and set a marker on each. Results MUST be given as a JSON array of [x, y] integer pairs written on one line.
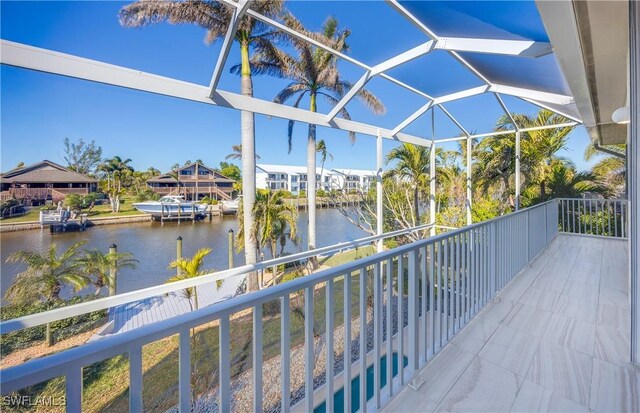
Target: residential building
[[195, 181], [294, 178], [43, 181]]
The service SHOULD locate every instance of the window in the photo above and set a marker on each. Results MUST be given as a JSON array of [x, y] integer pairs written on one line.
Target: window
[[272, 177]]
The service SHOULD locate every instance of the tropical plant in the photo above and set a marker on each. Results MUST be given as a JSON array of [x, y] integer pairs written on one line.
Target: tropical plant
[[275, 222], [411, 165], [313, 72], [237, 153], [99, 266], [117, 175], [321, 148], [191, 268], [251, 34], [564, 182], [610, 170], [538, 151], [46, 274]]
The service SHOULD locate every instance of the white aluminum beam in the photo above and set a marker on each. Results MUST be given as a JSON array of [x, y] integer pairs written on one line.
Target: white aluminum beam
[[379, 201], [241, 8], [415, 115], [453, 119], [457, 138], [478, 90], [389, 64], [555, 110], [34, 58], [524, 48], [532, 94], [506, 110]]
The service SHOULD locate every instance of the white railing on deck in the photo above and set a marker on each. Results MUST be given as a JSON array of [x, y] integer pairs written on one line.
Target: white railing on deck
[[599, 217], [452, 276], [62, 313]]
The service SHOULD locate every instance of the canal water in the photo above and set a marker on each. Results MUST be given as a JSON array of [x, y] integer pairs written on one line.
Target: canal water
[[153, 244]]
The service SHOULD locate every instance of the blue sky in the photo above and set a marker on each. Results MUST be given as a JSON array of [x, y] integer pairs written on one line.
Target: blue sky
[[40, 110]]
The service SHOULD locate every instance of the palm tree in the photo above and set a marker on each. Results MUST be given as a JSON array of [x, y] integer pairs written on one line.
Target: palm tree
[[610, 170], [412, 164], [321, 148], [191, 268], [565, 182], [46, 274], [99, 265], [115, 170], [314, 72], [214, 17], [275, 222], [538, 151], [237, 153]]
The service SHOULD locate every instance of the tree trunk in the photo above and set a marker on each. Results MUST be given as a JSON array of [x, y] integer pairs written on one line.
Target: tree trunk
[[311, 179], [543, 190], [248, 170]]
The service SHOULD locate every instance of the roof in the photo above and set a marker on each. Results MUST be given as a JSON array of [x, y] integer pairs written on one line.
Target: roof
[[44, 172], [591, 42], [167, 178]]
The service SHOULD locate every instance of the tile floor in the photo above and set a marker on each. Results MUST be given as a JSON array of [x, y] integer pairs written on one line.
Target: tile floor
[[558, 340]]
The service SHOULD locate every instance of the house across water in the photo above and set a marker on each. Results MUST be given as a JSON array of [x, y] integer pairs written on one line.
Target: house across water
[[42, 181], [195, 181]]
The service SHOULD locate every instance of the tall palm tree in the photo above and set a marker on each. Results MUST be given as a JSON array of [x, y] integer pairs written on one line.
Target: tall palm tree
[[237, 153], [251, 34], [98, 266], [190, 268], [313, 72], [412, 164], [45, 276]]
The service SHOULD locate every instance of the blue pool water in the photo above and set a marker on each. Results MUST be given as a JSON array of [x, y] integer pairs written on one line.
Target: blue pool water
[[338, 397]]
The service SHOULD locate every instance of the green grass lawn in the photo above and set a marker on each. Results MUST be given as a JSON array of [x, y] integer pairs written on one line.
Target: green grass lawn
[[99, 211]]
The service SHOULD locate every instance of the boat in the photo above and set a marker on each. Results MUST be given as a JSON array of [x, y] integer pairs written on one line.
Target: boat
[[171, 206], [230, 207]]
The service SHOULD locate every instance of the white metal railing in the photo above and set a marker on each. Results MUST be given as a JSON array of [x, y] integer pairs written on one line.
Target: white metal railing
[[62, 313], [599, 217], [451, 276]]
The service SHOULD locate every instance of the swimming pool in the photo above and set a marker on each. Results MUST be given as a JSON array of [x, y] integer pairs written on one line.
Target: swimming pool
[[338, 397]]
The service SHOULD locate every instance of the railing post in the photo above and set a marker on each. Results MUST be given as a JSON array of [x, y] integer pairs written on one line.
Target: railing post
[[73, 384], [284, 354], [493, 253], [413, 313], [135, 380], [184, 366], [257, 358]]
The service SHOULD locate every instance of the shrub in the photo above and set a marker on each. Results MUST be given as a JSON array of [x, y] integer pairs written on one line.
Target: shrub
[[74, 201], [321, 193]]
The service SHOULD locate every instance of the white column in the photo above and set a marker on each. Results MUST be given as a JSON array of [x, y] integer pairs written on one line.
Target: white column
[[517, 170], [633, 158], [379, 210], [469, 193], [432, 186]]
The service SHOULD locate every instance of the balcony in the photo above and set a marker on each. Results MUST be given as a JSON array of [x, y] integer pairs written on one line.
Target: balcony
[[525, 312], [556, 338]]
